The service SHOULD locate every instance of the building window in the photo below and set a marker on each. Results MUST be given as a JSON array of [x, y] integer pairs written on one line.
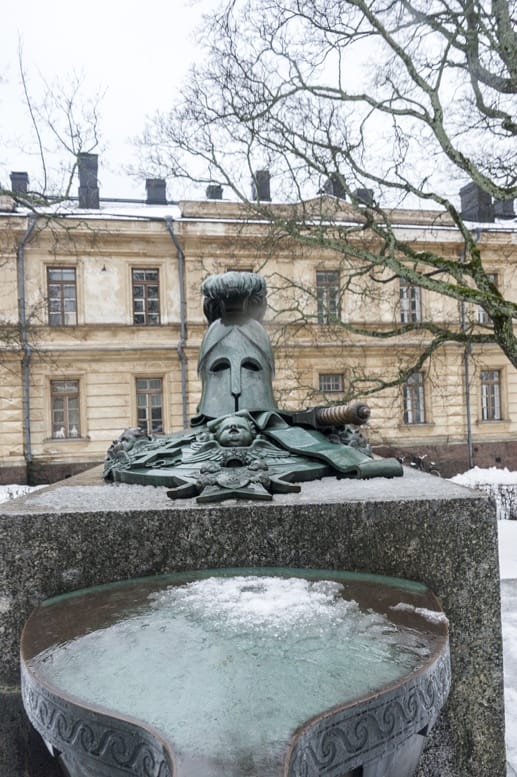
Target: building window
[[149, 404], [414, 399], [62, 296], [491, 395], [330, 382], [327, 295], [146, 299], [483, 317], [64, 400], [410, 302]]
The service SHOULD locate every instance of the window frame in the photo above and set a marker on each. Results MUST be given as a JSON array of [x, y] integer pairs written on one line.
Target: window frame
[[410, 301], [340, 383], [491, 401], [482, 315], [62, 298], [414, 405], [148, 393], [328, 300], [146, 284], [67, 425]]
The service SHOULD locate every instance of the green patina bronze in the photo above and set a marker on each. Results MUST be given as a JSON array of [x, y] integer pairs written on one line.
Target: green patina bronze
[[241, 445]]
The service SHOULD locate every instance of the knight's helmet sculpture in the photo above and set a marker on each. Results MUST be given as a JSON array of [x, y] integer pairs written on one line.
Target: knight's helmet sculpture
[[236, 363], [241, 444]]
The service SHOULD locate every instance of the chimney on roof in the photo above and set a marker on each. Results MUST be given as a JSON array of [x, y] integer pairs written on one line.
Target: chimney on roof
[[156, 191], [504, 209], [19, 183], [476, 205], [364, 196], [214, 191], [87, 165], [260, 186], [334, 186]]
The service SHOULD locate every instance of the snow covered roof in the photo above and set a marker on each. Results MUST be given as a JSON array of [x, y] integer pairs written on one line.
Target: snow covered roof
[[331, 209]]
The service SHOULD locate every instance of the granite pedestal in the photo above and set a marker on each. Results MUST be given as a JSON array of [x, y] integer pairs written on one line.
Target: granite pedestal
[[83, 532]]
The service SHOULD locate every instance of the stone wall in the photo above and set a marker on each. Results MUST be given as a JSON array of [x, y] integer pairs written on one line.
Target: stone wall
[[82, 532]]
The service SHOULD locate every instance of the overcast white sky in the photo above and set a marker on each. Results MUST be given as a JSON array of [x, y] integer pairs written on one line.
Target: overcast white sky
[[137, 51]]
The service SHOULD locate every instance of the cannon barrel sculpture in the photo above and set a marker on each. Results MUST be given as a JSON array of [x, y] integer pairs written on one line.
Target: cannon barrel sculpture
[[356, 413]]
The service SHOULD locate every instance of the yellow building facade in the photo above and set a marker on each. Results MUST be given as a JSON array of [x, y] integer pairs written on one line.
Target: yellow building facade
[[102, 319]]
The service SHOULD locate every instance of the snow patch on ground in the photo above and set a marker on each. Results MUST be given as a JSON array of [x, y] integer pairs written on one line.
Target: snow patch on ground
[[500, 484], [508, 550], [14, 491], [492, 475]]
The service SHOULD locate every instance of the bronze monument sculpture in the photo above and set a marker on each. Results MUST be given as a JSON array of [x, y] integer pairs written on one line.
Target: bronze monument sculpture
[[241, 445]]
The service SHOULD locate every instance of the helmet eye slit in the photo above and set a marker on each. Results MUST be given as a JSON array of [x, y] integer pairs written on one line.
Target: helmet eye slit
[[220, 365], [251, 364]]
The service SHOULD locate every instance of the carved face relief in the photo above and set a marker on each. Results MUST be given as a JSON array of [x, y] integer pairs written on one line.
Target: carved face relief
[[235, 432]]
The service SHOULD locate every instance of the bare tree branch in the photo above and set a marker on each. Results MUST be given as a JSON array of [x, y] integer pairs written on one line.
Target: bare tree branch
[[397, 98]]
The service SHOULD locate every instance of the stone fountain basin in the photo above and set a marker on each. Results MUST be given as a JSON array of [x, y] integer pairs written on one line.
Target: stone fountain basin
[[238, 672]]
